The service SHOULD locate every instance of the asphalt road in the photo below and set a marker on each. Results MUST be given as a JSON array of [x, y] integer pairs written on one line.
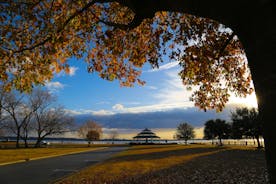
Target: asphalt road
[[50, 169]]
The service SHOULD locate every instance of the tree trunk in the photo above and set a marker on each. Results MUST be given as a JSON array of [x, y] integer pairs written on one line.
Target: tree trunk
[[258, 141], [26, 143], [17, 138], [220, 142], [38, 141], [260, 50]]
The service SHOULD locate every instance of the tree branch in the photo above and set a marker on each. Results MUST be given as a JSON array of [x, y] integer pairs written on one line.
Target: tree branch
[[60, 29], [226, 43], [133, 24]]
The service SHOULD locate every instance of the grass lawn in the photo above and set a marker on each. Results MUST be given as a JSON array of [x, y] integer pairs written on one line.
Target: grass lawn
[[13, 155], [162, 164]]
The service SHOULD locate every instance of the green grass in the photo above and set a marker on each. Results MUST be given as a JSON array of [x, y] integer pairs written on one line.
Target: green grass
[[155, 164]]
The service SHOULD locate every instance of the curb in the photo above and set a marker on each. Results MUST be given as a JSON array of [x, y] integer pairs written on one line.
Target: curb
[[50, 156]]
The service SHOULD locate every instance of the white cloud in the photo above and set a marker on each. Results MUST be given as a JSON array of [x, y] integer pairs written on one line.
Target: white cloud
[[73, 112], [101, 112], [54, 86], [118, 107], [173, 91], [151, 87], [72, 70], [165, 66], [154, 108], [173, 95]]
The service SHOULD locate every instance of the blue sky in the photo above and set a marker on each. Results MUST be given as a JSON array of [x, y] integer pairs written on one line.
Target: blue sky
[[82, 92], [86, 95]]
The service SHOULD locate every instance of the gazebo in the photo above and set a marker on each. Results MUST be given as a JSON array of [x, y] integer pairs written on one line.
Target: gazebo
[[146, 135]]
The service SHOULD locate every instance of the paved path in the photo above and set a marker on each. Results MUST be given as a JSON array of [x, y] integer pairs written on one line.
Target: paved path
[[49, 169]]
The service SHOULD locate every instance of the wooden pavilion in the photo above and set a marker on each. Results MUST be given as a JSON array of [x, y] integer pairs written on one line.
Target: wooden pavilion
[[146, 136]]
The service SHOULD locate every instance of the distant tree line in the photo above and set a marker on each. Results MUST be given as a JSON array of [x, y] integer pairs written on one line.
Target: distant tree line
[[244, 123], [36, 113]]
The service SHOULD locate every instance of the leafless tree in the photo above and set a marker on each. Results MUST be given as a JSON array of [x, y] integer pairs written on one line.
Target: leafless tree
[[36, 112], [185, 131], [113, 135], [49, 118], [52, 121], [17, 113]]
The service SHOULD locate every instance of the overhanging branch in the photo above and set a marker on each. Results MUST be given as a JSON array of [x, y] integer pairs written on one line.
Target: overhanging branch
[[133, 24], [59, 30]]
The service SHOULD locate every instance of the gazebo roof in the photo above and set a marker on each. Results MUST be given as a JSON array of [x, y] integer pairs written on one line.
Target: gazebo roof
[[145, 134]]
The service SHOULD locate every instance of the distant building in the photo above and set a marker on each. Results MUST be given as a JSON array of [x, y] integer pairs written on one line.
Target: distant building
[[146, 135]]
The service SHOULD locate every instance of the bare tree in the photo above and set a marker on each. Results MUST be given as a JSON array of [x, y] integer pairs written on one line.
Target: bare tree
[[113, 135], [51, 121], [36, 112], [21, 109], [18, 114], [88, 128], [26, 125], [185, 132], [42, 101]]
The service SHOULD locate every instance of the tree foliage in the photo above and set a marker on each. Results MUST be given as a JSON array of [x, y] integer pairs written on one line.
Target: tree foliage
[[246, 122], [217, 129], [185, 131], [38, 38], [92, 135], [90, 130]]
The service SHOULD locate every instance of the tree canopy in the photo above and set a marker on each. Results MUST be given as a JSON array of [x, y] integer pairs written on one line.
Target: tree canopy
[[38, 38], [185, 131], [216, 129], [92, 135], [89, 125], [246, 122]]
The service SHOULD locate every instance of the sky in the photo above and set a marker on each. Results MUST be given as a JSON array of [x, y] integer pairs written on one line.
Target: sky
[[161, 104]]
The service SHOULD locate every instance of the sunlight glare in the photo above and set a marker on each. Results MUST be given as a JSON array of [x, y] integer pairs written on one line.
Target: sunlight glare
[[249, 101]]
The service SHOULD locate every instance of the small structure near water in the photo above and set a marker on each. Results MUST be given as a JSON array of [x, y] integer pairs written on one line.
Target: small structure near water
[[145, 137]]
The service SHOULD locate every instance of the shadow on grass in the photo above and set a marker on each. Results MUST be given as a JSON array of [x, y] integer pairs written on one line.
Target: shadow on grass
[[210, 165], [164, 154], [228, 166]]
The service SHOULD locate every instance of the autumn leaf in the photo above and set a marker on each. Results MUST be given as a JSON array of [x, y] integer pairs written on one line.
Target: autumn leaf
[[49, 33]]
